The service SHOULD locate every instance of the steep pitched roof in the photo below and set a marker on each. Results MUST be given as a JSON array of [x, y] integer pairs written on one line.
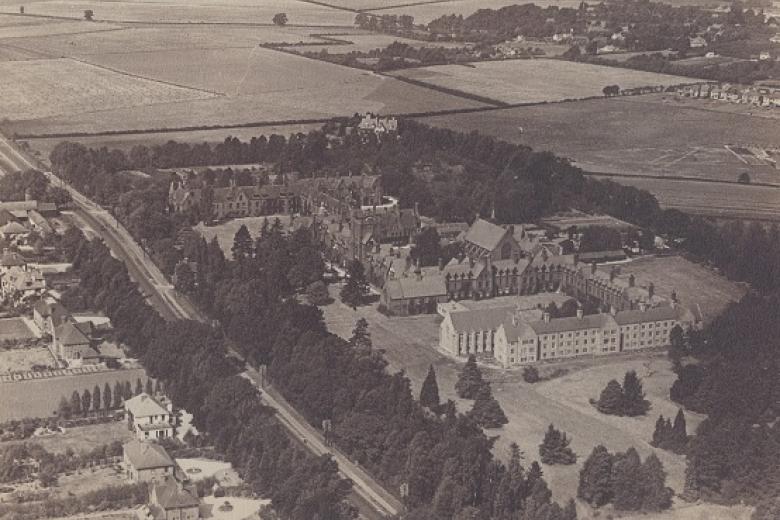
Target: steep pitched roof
[[147, 455], [13, 228], [485, 234], [171, 495], [6, 217], [480, 319], [555, 325], [12, 258], [69, 334], [410, 287], [144, 405]]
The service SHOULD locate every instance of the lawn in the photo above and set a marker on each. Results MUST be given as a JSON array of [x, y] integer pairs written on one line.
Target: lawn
[[82, 438], [44, 88], [409, 344], [226, 231], [16, 329], [534, 81], [180, 11], [40, 397], [23, 359]]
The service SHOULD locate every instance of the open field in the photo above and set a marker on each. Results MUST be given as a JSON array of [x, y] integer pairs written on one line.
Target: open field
[[533, 81], [82, 438], [23, 359], [365, 43], [40, 397], [179, 11], [146, 39], [695, 285], [44, 88], [44, 146], [652, 135], [53, 28], [16, 329]]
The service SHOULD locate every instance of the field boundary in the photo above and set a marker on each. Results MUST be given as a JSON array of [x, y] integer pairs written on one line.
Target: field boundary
[[449, 91], [678, 178]]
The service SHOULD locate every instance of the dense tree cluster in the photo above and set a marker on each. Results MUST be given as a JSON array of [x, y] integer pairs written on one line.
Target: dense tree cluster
[[672, 437], [624, 480], [626, 399], [555, 449], [33, 185]]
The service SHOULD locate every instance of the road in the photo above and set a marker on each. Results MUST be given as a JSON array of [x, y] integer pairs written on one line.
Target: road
[[371, 499]]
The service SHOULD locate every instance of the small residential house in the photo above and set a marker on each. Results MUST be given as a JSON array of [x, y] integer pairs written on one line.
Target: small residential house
[[22, 284], [697, 42], [10, 260], [148, 418], [172, 500], [71, 342], [147, 462], [14, 232]]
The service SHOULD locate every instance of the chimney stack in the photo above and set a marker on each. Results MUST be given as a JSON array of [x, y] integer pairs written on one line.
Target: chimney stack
[[593, 268], [580, 313], [674, 296], [612, 274], [643, 306], [441, 264], [651, 290], [576, 258], [612, 310], [546, 317], [631, 280], [471, 262]]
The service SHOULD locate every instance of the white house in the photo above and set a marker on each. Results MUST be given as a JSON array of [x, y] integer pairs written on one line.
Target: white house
[[148, 418]]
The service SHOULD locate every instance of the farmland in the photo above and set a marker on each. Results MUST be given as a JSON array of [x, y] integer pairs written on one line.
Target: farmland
[[652, 135], [347, 43], [35, 89], [178, 11], [39, 397], [534, 81]]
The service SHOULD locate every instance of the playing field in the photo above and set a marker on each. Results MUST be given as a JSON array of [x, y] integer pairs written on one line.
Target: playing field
[[35, 89], [180, 11], [40, 397], [534, 81]]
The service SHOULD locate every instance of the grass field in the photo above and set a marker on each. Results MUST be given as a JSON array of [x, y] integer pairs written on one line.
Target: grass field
[[365, 43], [409, 344], [180, 11], [22, 359], [15, 329], [53, 28], [39, 398], [226, 231], [652, 135], [82, 438], [35, 89], [533, 81]]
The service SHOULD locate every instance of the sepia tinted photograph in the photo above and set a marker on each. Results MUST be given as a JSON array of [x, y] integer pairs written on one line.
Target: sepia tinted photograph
[[389, 260]]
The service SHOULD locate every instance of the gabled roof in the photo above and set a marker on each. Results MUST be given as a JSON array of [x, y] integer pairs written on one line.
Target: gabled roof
[[147, 455], [485, 234], [171, 495], [144, 405], [13, 228], [69, 334], [480, 319], [411, 287], [6, 217], [12, 258]]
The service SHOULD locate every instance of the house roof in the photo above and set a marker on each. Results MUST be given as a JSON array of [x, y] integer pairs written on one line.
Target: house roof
[[144, 405], [147, 455], [11, 258], [601, 255], [480, 319], [6, 217], [171, 495], [485, 234], [411, 287], [13, 228], [69, 334], [660, 313], [591, 321], [464, 268]]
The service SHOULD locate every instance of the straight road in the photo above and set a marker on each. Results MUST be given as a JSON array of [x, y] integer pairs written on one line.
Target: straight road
[[371, 499]]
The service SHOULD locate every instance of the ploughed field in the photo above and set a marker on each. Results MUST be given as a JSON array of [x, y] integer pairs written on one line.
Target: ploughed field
[[534, 81], [679, 146]]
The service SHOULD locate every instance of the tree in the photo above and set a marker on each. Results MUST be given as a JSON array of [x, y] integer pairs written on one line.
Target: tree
[[280, 19], [86, 402], [427, 247], [47, 475], [127, 393], [611, 399], [655, 495], [744, 178], [555, 449], [361, 338], [184, 277], [676, 344], [486, 411], [75, 403], [317, 293], [595, 486], [149, 387], [119, 393], [634, 402], [64, 408], [139, 387], [470, 379], [242, 244], [107, 397], [356, 288], [531, 375], [89, 15], [96, 402], [429, 393], [627, 482], [660, 434]]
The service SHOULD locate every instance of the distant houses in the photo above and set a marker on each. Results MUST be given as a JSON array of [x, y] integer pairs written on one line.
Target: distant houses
[[760, 96]]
